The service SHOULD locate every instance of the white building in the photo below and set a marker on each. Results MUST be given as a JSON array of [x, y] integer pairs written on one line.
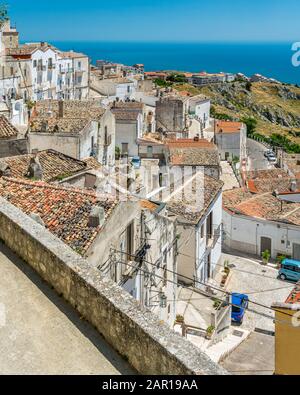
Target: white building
[[76, 128], [199, 107], [196, 203], [113, 89], [231, 139], [44, 72], [254, 223]]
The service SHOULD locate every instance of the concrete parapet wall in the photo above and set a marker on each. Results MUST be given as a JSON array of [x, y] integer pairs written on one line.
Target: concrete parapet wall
[[149, 345]]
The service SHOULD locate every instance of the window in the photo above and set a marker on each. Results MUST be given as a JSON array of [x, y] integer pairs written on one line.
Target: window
[[209, 226], [129, 241], [92, 143], [34, 63], [202, 231], [79, 65]]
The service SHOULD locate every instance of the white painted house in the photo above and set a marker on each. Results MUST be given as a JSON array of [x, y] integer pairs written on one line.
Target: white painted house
[[254, 223], [79, 129], [196, 203]]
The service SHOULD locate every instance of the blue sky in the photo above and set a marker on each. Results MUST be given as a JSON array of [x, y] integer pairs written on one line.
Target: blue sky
[[157, 20]]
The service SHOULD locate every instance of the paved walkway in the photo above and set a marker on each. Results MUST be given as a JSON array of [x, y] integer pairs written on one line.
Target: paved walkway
[[228, 177], [42, 334], [255, 356]]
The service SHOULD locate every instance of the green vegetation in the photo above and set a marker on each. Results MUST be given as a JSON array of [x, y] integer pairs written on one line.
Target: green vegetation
[[162, 83], [117, 153], [220, 116], [266, 256], [177, 78], [251, 124]]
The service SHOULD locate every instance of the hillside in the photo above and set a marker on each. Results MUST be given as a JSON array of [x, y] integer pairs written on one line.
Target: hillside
[[276, 107]]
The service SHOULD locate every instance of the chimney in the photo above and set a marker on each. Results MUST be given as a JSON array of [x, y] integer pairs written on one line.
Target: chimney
[[4, 170], [35, 169], [97, 217], [60, 109], [294, 186]]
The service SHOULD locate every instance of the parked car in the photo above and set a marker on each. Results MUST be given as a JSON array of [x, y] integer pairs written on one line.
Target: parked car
[[272, 158], [267, 153], [290, 270], [136, 162], [240, 304]]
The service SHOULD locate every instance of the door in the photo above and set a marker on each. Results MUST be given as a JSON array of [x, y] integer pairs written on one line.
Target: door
[[296, 252], [265, 244]]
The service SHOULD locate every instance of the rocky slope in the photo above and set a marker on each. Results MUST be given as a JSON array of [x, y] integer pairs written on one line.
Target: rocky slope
[[276, 107]]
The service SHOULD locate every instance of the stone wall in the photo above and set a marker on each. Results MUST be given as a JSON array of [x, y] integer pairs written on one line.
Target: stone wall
[[13, 147], [149, 345]]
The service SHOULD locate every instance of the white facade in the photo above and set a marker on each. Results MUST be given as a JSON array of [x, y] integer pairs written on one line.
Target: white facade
[[127, 134], [96, 139], [199, 251], [201, 110], [243, 233]]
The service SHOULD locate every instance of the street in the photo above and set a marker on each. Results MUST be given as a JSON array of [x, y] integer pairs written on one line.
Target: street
[[255, 356], [262, 286], [257, 161]]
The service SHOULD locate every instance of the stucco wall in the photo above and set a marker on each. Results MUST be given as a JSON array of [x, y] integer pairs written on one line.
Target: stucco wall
[[66, 144], [244, 234], [150, 347], [127, 132]]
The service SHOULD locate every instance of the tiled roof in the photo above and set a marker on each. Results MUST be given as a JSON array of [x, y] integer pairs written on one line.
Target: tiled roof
[[193, 154], [64, 211], [76, 116], [125, 115], [190, 143], [228, 127], [128, 105], [265, 206], [29, 49], [192, 202], [55, 165], [127, 110], [85, 109], [7, 130], [58, 125], [71, 55], [261, 181], [92, 163]]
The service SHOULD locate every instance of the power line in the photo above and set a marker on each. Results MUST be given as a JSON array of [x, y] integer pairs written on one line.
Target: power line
[[214, 297], [207, 285]]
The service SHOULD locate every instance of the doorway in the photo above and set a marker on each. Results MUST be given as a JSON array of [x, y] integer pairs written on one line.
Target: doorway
[[265, 244]]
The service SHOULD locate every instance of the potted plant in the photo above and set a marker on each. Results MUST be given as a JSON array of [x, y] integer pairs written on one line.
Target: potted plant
[[266, 257], [179, 319], [209, 332]]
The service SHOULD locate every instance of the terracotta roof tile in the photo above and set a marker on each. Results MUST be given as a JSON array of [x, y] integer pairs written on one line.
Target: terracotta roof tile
[[55, 165], [64, 211], [7, 130], [191, 202]]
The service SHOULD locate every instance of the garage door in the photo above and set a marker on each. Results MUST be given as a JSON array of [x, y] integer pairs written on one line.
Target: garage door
[[296, 251]]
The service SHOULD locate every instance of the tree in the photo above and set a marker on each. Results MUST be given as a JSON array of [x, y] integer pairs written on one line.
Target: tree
[[248, 86], [251, 124]]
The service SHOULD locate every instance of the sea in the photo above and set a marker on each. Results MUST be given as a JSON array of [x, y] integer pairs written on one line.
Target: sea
[[273, 60]]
